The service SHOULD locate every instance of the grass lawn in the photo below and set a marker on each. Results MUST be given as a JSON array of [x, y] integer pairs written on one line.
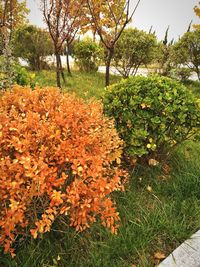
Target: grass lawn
[[159, 210], [85, 85], [194, 86]]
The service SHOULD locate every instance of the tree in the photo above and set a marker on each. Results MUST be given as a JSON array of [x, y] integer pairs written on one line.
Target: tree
[[32, 44], [63, 18], [187, 51], [134, 48], [164, 55], [109, 18], [87, 54], [12, 14]]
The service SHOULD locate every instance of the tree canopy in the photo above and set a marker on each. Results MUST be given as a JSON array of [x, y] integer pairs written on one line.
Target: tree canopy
[[32, 44], [187, 51], [135, 47]]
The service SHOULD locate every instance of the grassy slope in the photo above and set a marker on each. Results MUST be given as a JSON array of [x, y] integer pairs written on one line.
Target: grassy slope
[[151, 221]]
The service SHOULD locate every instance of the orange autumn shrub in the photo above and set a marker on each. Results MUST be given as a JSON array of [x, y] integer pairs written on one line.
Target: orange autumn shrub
[[58, 155]]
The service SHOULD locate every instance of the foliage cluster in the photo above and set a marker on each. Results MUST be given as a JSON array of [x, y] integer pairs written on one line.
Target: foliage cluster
[[23, 77], [59, 156], [33, 45], [133, 49], [13, 13], [152, 114], [163, 59], [187, 51], [20, 75], [87, 55], [197, 12], [6, 71]]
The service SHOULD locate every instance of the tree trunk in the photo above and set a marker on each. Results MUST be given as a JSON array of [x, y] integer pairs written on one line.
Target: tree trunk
[[61, 70], [198, 72], [67, 58], [38, 65], [94, 36], [58, 70], [110, 55], [7, 67]]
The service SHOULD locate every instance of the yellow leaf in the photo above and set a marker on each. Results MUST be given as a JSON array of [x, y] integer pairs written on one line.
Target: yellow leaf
[[143, 105], [149, 188], [153, 162], [148, 145], [34, 233], [118, 160], [80, 169]]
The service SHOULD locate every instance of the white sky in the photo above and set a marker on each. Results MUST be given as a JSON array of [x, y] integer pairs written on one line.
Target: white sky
[[157, 13]]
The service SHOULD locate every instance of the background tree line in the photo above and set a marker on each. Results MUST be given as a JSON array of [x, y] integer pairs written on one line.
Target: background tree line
[[126, 49]]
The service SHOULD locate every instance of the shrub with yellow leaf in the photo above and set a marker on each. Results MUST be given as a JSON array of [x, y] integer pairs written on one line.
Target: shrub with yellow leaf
[[152, 115], [59, 156]]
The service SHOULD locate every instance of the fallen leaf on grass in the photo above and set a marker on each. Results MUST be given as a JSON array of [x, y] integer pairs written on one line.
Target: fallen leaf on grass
[[153, 162], [159, 256], [133, 162], [149, 188]]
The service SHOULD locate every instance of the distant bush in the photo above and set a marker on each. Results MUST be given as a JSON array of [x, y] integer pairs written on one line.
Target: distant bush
[[152, 114], [183, 74], [87, 55], [59, 156], [23, 77]]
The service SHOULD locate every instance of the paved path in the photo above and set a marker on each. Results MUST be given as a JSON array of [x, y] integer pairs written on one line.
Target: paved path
[[141, 71], [186, 255]]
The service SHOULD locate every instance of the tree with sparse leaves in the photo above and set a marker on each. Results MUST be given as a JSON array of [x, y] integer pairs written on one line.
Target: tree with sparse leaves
[[109, 18], [63, 18]]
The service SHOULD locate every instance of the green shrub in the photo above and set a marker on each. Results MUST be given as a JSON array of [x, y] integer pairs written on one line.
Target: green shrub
[[23, 77], [87, 55], [152, 114], [20, 75]]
